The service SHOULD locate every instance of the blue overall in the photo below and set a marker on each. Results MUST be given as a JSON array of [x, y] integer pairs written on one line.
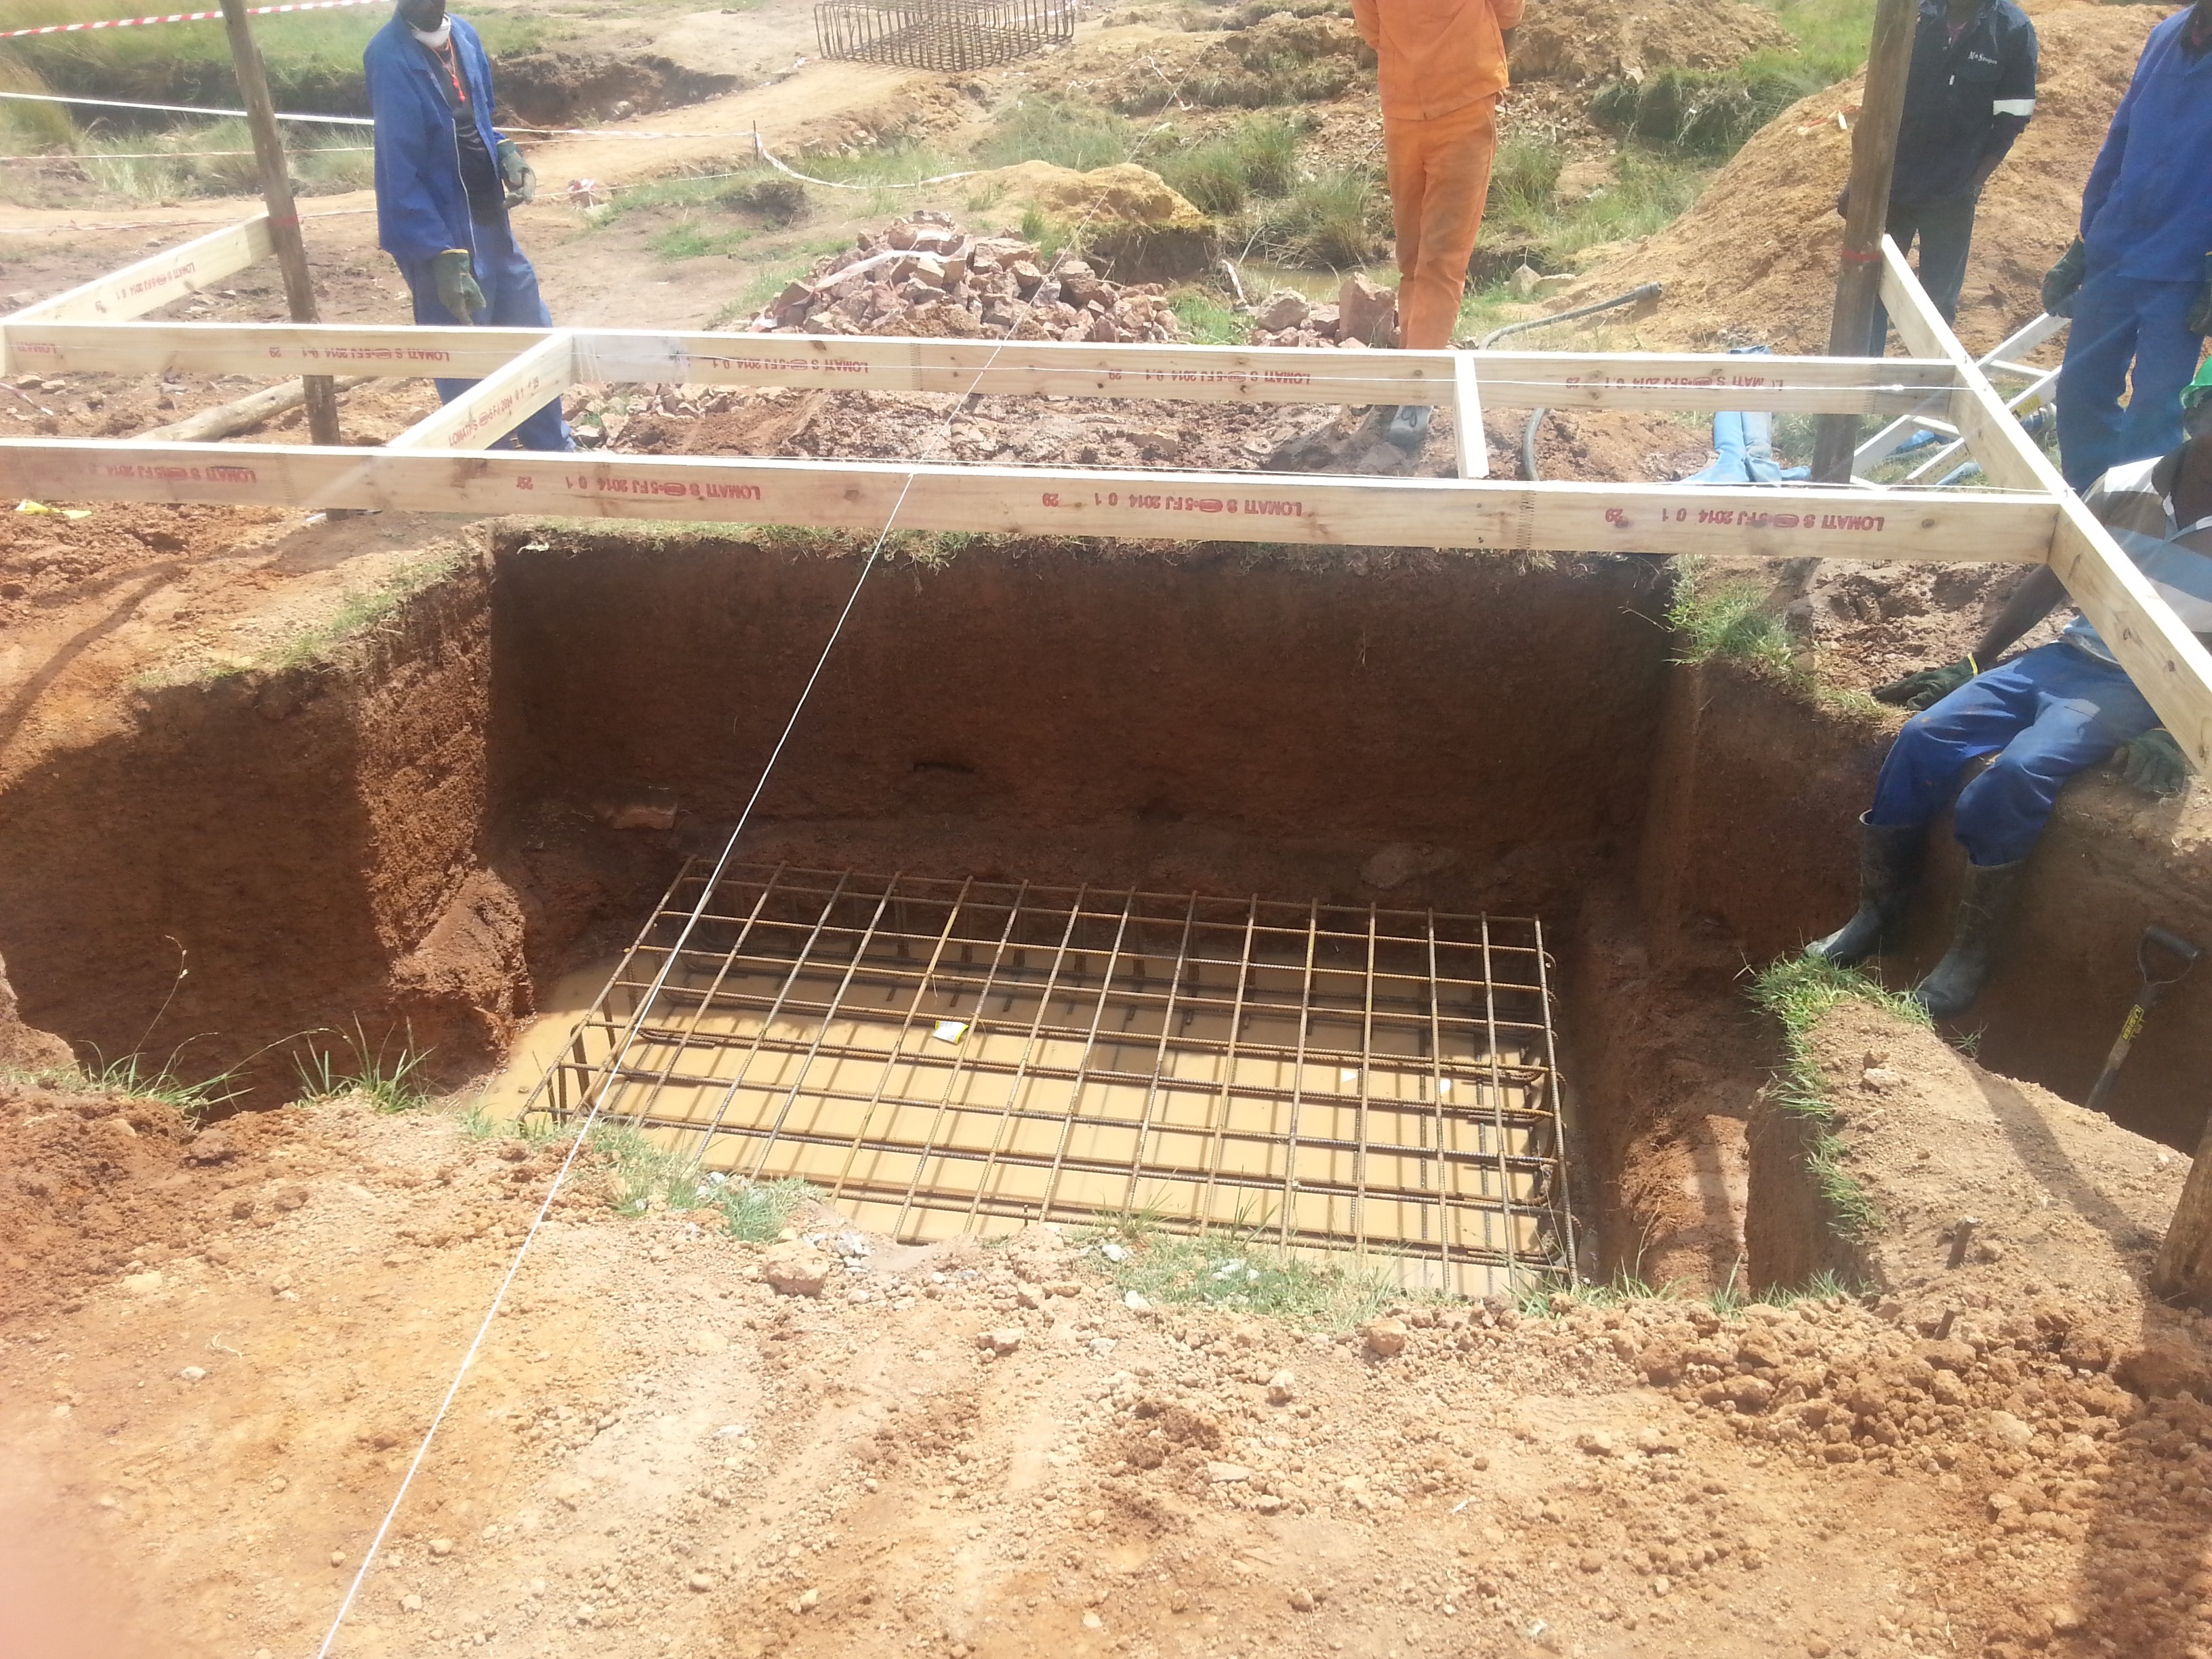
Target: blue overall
[[422, 207], [2122, 322], [2045, 715], [2147, 218]]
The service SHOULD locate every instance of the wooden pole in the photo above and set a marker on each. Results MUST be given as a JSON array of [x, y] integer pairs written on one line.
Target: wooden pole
[[322, 398], [1874, 153]]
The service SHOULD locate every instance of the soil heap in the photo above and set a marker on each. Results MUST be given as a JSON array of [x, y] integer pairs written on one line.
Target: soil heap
[[1753, 261], [1588, 41]]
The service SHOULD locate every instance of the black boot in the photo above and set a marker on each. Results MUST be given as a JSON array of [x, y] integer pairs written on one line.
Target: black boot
[[1409, 425], [1950, 990], [1889, 869]]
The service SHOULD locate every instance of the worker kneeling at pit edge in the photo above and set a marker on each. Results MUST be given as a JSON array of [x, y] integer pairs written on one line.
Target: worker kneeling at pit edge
[[2045, 715], [445, 180], [1441, 66]]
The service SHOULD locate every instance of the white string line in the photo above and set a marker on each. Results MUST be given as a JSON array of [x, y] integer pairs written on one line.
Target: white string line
[[583, 1133], [661, 980]]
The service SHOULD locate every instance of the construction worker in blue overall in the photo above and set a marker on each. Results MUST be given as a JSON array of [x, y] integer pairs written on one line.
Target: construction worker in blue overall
[[2137, 280], [2041, 718], [445, 180]]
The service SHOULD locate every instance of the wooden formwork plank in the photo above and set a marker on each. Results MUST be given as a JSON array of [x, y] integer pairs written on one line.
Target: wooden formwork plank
[[2167, 662], [1445, 512], [1256, 374], [499, 403], [145, 286], [1467, 419]]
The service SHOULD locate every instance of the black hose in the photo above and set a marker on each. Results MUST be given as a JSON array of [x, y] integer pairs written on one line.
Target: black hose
[[1647, 291]]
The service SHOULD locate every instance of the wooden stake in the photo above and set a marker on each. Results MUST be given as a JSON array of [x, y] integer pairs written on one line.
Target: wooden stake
[[322, 398], [1874, 153]]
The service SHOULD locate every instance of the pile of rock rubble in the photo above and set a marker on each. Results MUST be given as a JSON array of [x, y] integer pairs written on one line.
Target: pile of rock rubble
[[928, 276], [1363, 315]]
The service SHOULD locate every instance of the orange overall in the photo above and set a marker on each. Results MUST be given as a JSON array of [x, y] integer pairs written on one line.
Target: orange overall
[[1443, 64]]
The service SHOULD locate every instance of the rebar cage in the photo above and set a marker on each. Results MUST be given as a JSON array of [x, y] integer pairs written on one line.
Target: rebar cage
[[941, 1057], [940, 35]]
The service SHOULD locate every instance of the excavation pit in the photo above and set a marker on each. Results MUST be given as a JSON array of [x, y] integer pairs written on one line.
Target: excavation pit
[[422, 835], [939, 1057]]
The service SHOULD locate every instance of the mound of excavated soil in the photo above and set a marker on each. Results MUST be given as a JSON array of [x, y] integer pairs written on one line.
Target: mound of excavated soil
[[1589, 41], [1755, 259]]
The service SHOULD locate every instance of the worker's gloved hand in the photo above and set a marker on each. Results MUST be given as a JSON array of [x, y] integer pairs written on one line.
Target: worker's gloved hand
[[1925, 687], [2153, 763], [1843, 201], [517, 174], [2063, 281], [455, 274], [2199, 320]]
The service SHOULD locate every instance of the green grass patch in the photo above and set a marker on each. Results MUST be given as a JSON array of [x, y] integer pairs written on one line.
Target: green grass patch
[[1650, 188], [389, 1079], [312, 59], [1713, 112], [216, 160], [1219, 174], [1056, 130], [901, 163], [649, 1176], [1207, 320], [712, 214], [1731, 620], [359, 612], [1797, 991], [1336, 220], [1237, 1271]]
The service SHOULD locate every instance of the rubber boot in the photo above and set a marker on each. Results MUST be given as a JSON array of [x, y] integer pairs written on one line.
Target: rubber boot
[[1950, 990], [1409, 425], [1889, 869]]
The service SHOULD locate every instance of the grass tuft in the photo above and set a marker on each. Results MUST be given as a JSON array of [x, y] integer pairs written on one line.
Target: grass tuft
[[1713, 112], [1797, 991], [649, 1176], [390, 1082], [1237, 1271], [1207, 320], [136, 1076], [1056, 130], [1334, 221], [1730, 621], [360, 612]]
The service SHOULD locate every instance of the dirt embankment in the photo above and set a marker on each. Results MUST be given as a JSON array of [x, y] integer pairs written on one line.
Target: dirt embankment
[[1753, 260]]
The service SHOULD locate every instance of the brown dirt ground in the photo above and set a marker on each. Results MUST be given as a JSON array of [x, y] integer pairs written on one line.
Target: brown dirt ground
[[1753, 260], [222, 1348], [1588, 42]]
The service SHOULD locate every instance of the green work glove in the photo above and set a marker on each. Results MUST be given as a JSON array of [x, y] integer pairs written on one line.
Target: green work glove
[[455, 274], [1925, 687], [2064, 280], [517, 174], [2199, 320], [2153, 763]]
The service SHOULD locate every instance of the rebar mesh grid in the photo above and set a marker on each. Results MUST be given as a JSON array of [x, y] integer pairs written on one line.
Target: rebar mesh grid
[[940, 35], [943, 1056]]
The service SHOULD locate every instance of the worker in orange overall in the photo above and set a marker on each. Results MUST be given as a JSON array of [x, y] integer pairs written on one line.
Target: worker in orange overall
[[1442, 65]]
